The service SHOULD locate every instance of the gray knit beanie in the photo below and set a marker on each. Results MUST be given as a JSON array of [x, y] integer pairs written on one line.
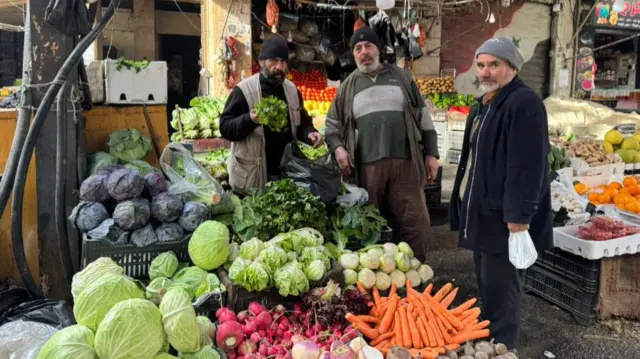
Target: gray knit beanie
[[503, 48]]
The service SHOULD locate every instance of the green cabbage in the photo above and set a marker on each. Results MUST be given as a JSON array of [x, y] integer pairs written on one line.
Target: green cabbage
[[204, 353], [367, 278], [191, 277], [376, 252], [273, 258], [314, 270], [309, 254], [368, 260], [96, 269], [179, 321], [237, 266], [164, 356], [141, 166], [405, 248], [99, 160], [291, 280], [350, 260], [387, 263], [74, 342], [157, 288], [206, 328], [403, 261], [297, 240], [209, 245], [131, 329], [164, 265], [98, 298], [255, 277], [129, 144], [234, 253], [210, 284], [251, 249]]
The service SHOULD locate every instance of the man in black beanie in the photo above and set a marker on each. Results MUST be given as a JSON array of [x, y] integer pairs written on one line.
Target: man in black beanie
[[382, 135], [256, 150]]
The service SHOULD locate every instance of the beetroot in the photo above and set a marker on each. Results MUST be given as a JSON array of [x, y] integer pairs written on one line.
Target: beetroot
[[256, 308], [229, 335], [247, 347], [225, 315]]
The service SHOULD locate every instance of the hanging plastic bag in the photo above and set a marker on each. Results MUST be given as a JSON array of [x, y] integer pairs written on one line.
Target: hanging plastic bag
[[23, 339], [522, 251], [355, 196], [321, 176], [71, 17]]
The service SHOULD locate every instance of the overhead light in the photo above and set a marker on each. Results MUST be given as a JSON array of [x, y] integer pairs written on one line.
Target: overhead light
[[618, 6], [385, 4], [492, 19]]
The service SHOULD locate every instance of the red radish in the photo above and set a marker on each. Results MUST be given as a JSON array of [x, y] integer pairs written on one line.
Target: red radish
[[309, 333], [288, 356], [229, 335], [263, 320], [280, 349], [243, 316], [317, 328], [297, 339], [246, 347], [297, 309], [232, 355], [240, 357], [225, 315], [256, 308], [305, 350], [326, 347], [283, 326], [256, 337], [249, 329], [251, 356], [288, 335], [272, 351], [280, 309], [287, 344], [263, 349], [279, 356], [279, 333], [262, 333]]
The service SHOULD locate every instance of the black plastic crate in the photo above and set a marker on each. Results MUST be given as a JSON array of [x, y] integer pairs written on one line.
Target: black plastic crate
[[134, 260], [7, 51], [8, 67], [7, 36], [581, 272], [563, 293], [433, 195]]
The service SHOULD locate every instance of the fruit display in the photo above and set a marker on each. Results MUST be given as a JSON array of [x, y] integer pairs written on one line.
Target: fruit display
[[452, 101], [625, 195], [604, 228], [591, 151], [431, 85], [628, 148], [315, 93]]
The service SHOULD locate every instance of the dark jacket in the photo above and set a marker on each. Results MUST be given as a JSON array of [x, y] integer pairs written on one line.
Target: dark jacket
[[236, 124], [510, 181]]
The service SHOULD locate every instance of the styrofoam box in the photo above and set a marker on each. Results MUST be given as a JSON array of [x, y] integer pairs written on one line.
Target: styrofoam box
[[566, 239], [149, 86]]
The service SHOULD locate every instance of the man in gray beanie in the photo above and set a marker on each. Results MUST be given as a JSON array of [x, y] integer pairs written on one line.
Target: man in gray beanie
[[502, 183]]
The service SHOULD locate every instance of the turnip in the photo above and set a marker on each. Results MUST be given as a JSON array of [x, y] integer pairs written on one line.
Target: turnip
[[225, 314], [350, 261], [325, 355], [485, 347], [229, 335], [501, 349], [280, 309], [297, 339], [246, 347], [262, 320], [256, 308], [305, 350], [243, 316]]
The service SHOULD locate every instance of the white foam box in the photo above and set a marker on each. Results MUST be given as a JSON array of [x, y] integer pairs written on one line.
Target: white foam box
[[566, 238], [128, 87]]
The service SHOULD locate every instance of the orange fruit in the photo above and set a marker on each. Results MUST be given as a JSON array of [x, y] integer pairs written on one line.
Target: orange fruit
[[620, 205], [633, 206], [604, 199], [615, 185], [593, 196], [634, 190], [581, 188], [611, 192], [623, 190], [630, 181]]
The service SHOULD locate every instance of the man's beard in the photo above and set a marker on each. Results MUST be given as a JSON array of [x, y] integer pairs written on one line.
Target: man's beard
[[375, 63], [489, 86], [272, 76]]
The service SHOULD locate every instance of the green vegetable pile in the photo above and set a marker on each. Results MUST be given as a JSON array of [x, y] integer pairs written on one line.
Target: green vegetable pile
[[216, 163], [200, 121], [313, 153], [131, 65], [444, 101], [273, 112], [282, 206], [357, 223], [557, 159], [288, 262]]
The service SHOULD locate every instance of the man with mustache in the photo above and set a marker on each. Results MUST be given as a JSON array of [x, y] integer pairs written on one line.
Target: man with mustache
[[382, 135], [256, 150], [502, 183]]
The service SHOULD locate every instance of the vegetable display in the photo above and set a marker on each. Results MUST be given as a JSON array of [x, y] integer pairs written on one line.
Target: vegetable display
[[313, 153], [359, 223], [444, 101], [216, 163], [201, 120], [273, 113], [430, 85]]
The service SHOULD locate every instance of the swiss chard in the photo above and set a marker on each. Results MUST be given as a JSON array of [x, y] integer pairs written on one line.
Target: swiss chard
[[359, 222]]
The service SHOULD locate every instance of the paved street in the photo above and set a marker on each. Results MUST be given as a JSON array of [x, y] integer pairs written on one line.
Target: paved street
[[545, 327]]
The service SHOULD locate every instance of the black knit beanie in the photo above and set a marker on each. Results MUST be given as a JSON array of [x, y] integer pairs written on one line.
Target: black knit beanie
[[364, 33], [274, 48]]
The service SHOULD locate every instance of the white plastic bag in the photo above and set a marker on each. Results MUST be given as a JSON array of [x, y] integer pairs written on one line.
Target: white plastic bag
[[522, 252], [23, 340]]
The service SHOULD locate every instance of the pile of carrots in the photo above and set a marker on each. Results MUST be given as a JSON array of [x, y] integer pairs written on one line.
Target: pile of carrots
[[420, 322]]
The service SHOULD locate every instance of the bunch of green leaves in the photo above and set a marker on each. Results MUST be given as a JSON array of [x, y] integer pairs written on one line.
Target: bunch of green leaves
[[313, 153], [362, 223], [444, 101], [272, 112], [282, 206], [201, 120], [131, 65]]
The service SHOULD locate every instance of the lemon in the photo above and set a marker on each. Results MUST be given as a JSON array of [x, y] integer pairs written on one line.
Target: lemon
[[630, 143], [608, 147], [614, 137], [636, 156], [626, 155]]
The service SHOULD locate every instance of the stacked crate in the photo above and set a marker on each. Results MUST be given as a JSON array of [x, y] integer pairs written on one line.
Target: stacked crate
[[10, 56], [440, 123], [455, 135], [568, 281]]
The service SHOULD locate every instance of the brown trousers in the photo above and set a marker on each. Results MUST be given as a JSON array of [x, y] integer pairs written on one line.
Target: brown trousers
[[391, 183]]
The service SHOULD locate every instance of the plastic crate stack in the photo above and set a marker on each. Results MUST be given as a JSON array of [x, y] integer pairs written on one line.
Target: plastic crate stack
[[568, 281], [10, 56], [440, 123], [455, 135]]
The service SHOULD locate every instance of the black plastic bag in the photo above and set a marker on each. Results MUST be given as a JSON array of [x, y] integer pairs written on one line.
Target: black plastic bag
[[70, 17], [321, 177], [56, 313]]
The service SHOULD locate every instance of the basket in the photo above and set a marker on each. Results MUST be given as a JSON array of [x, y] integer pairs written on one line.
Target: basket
[[134, 260], [581, 272], [563, 293]]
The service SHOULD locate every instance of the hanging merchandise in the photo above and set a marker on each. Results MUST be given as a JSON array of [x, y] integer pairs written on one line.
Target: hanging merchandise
[[422, 39], [359, 24], [273, 15], [381, 24]]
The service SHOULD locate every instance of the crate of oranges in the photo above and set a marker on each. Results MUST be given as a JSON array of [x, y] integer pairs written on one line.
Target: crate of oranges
[[624, 195]]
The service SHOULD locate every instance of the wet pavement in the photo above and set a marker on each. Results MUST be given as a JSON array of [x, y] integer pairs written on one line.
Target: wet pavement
[[545, 327]]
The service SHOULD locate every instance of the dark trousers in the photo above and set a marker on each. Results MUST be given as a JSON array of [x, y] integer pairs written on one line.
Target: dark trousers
[[500, 289]]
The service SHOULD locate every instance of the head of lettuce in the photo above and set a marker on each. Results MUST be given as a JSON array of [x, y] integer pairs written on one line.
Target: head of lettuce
[[209, 245]]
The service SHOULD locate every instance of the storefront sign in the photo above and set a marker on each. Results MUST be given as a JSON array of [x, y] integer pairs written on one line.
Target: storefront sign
[[618, 14], [585, 64]]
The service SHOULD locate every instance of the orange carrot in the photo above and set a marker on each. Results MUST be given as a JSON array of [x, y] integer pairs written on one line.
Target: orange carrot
[[397, 328], [446, 302], [393, 290], [387, 319], [406, 331], [470, 312], [381, 345], [368, 319], [452, 347], [425, 323], [442, 292], [473, 335], [464, 306], [438, 334], [471, 317], [361, 288], [376, 296], [374, 311], [451, 320], [445, 334], [423, 332], [382, 338], [428, 289], [481, 325], [469, 326], [360, 325], [415, 334]]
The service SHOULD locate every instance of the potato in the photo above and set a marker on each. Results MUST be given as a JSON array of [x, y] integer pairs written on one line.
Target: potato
[[450, 354], [481, 355], [501, 349]]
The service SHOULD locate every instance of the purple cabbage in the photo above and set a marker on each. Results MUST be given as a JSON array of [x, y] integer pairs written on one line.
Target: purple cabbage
[[166, 207], [94, 189], [144, 236], [193, 214], [125, 184], [170, 232], [154, 184], [88, 215], [132, 214]]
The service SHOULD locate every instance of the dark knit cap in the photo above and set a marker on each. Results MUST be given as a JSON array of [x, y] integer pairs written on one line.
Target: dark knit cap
[[364, 33], [274, 48]]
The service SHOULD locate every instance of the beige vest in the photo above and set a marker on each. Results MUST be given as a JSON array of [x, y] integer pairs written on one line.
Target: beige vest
[[247, 168]]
